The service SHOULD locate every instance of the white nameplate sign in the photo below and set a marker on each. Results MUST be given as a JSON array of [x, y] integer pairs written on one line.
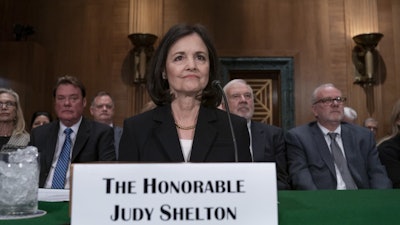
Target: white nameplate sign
[[174, 193]]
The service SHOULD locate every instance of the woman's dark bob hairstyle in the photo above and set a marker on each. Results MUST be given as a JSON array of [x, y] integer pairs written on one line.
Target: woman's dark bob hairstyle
[[158, 87]]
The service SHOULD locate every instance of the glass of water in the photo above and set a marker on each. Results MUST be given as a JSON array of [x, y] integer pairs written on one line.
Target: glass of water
[[19, 181]]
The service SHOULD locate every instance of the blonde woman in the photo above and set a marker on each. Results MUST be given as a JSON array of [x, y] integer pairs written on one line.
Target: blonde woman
[[12, 123]]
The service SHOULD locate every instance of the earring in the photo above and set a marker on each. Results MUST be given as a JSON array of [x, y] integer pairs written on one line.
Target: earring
[[163, 75]]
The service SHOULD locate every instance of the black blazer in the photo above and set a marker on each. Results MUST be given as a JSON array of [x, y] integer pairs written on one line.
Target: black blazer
[[152, 137], [94, 142], [311, 165], [269, 146], [389, 153]]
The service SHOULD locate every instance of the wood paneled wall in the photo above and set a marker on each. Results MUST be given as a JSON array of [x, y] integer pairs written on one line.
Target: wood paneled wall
[[88, 38]]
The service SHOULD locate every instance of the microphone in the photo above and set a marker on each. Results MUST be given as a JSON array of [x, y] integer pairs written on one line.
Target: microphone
[[217, 85]]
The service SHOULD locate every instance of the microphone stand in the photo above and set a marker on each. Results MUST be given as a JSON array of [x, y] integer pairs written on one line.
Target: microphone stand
[[217, 83]]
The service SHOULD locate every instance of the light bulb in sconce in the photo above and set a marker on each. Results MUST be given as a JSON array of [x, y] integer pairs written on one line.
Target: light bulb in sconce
[[366, 58]]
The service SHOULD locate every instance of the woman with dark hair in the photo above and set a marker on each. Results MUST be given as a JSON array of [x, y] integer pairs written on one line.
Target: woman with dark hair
[[185, 125], [40, 118]]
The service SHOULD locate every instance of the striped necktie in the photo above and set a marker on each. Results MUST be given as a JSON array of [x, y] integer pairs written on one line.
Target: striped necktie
[[341, 162], [63, 162]]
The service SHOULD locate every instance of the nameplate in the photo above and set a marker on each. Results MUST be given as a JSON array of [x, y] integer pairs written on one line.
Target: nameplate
[[174, 193]]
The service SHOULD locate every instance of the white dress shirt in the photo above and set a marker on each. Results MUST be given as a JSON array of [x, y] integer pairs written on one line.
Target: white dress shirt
[[340, 182], [60, 142]]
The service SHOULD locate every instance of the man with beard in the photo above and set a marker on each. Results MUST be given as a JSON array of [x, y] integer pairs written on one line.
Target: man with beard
[[330, 154], [102, 109], [267, 141]]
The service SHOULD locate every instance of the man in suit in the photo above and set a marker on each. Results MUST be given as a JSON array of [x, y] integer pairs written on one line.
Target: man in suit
[[371, 124], [331, 154], [267, 141], [102, 109], [70, 139]]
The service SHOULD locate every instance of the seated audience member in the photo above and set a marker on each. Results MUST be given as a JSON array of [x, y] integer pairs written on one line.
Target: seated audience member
[[371, 124], [330, 154], [389, 147], [102, 109], [72, 138], [186, 125], [40, 118], [267, 141], [12, 123], [350, 115]]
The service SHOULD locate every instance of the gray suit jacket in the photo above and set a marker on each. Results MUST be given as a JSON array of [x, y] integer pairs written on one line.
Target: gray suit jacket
[[94, 142], [311, 164], [269, 146]]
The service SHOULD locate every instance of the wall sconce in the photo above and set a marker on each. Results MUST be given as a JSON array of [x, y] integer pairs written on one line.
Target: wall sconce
[[142, 52], [366, 58], [135, 64]]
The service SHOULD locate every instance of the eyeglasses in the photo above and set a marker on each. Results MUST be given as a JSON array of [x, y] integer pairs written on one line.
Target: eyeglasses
[[329, 100], [108, 106], [7, 104]]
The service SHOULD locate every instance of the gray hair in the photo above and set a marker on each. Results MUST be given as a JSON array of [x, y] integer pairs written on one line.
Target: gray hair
[[318, 89], [235, 81], [350, 113], [100, 94], [370, 119]]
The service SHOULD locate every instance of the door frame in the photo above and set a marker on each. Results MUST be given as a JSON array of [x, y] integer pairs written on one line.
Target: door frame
[[282, 64]]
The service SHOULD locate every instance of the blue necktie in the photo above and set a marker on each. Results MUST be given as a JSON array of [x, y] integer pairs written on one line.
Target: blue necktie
[[63, 162]]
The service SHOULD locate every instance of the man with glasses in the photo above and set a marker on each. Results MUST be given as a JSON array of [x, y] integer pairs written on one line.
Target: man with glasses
[[371, 124], [330, 154], [102, 109]]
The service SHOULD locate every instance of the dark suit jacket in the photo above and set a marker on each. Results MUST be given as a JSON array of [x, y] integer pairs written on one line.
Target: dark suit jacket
[[389, 153], [152, 137], [94, 142], [117, 138], [311, 164], [269, 146]]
